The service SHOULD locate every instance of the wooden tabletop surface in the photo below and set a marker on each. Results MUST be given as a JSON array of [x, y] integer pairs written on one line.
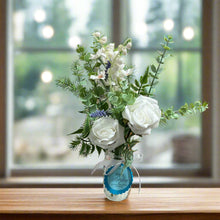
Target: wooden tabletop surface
[[92, 201]]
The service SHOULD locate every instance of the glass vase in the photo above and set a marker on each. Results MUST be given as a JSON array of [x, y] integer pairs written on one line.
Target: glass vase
[[117, 182]]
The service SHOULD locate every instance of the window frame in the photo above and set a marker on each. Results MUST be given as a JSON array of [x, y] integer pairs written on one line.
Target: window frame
[[207, 123]]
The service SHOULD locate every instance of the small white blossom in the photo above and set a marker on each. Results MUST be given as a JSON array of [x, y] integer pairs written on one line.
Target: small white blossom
[[103, 40], [124, 51], [119, 61], [99, 53], [129, 72], [120, 47], [96, 34], [101, 75], [110, 46], [129, 45]]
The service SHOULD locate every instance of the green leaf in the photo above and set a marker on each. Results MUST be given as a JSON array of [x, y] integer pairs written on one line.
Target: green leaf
[[104, 106], [144, 79], [99, 91], [86, 128], [152, 75], [166, 47], [93, 149], [74, 144], [153, 68], [165, 38], [99, 149], [87, 57], [134, 87], [137, 83], [79, 131], [83, 148]]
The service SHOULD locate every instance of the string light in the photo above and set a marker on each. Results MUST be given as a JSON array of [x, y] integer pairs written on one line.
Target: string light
[[188, 33], [168, 24], [39, 15], [47, 31], [46, 76]]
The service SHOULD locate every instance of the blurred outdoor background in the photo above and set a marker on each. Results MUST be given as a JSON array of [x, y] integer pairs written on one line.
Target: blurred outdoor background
[[45, 35]]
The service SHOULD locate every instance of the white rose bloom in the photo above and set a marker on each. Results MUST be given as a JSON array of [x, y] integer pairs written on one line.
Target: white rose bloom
[[107, 133], [143, 115]]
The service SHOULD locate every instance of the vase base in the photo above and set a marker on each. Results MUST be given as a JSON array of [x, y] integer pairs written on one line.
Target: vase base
[[116, 197]]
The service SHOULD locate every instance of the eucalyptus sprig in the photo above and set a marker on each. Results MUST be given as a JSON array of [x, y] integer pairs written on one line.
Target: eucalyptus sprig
[[186, 109]]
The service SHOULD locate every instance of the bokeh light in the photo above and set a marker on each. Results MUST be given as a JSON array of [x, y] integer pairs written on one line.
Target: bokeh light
[[168, 25], [39, 15], [46, 76], [188, 33], [74, 41], [47, 31]]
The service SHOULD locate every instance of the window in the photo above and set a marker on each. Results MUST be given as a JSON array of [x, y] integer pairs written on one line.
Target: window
[[43, 36]]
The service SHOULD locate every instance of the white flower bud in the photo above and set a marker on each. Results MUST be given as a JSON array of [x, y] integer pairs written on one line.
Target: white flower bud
[[129, 45], [96, 34], [103, 40], [135, 138], [120, 47], [124, 51]]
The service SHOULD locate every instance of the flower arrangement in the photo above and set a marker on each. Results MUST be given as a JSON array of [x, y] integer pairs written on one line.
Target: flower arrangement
[[120, 109]]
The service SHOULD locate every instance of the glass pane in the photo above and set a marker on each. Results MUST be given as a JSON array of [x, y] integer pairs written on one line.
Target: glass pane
[[44, 114], [58, 23], [180, 81], [151, 19]]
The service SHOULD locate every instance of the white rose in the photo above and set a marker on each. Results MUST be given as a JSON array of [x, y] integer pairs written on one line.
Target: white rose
[[143, 115], [107, 133]]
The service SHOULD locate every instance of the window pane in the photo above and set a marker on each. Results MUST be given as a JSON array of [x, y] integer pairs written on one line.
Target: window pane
[[59, 23], [44, 114], [180, 82], [151, 19]]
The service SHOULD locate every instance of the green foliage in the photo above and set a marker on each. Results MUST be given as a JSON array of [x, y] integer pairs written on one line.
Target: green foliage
[[184, 110], [86, 127], [160, 60], [149, 79]]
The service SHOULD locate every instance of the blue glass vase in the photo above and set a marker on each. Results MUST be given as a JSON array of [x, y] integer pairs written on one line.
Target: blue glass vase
[[117, 183]]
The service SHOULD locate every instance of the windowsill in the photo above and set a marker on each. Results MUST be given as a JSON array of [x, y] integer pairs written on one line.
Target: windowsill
[[54, 182], [92, 201]]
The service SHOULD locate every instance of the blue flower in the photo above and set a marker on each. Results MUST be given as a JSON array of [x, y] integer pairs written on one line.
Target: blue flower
[[108, 65], [99, 113]]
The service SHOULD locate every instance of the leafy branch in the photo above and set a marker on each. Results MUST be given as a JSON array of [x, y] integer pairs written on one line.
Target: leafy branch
[[184, 110], [160, 60]]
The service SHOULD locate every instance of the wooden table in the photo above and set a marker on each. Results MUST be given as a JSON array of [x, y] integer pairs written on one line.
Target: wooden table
[[155, 203]]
